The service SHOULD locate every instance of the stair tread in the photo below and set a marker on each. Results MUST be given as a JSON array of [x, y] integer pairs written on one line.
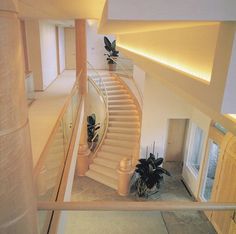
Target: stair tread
[[112, 173], [124, 117], [122, 136], [110, 182], [123, 130], [117, 149], [123, 143], [106, 162], [111, 156]]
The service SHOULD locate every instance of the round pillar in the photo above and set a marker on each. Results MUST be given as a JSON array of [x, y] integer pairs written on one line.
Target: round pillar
[[17, 199]]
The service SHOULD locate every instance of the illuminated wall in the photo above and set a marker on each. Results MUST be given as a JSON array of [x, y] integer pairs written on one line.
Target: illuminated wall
[[190, 50]]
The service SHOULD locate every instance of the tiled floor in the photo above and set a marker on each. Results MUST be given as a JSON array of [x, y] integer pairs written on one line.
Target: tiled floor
[[179, 222]]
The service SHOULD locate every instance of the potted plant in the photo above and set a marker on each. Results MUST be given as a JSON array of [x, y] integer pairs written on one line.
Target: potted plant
[[112, 53], [148, 177], [92, 128]]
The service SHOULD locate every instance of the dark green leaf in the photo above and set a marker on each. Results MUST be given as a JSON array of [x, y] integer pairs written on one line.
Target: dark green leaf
[[107, 42]]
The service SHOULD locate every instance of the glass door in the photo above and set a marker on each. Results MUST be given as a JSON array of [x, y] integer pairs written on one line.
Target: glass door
[[215, 138], [211, 165]]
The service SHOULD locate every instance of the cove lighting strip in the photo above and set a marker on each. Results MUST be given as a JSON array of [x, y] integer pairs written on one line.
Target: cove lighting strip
[[233, 116], [196, 74]]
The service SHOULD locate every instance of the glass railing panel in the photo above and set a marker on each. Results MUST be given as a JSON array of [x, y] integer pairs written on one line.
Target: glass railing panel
[[124, 70], [51, 168], [44, 218], [123, 67], [49, 171], [29, 87], [97, 104], [75, 105]]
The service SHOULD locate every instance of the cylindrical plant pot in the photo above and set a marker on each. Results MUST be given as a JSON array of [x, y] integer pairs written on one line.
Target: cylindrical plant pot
[[112, 66]]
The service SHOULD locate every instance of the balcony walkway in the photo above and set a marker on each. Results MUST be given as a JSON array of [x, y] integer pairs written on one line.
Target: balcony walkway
[[44, 111]]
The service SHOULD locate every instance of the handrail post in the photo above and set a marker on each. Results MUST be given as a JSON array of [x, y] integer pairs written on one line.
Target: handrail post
[[125, 172], [82, 79]]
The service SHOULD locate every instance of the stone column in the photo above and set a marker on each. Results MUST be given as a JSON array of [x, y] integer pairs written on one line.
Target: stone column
[[17, 200], [82, 81], [81, 55]]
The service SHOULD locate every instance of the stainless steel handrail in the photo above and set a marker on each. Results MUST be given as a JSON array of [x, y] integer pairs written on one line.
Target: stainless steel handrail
[[122, 67], [101, 89]]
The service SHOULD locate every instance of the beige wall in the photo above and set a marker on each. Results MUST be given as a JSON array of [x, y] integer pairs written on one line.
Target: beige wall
[[61, 44], [48, 48], [34, 51], [159, 105], [207, 97], [70, 55], [41, 45], [191, 49]]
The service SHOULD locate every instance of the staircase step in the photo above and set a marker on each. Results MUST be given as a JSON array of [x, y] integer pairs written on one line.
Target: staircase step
[[121, 118], [116, 92], [104, 79], [119, 97], [110, 182], [123, 137], [104, 170], [112, 82], [114, 87], [117, 150], [120, 130], [123, 124], [122, 107], [123, 112], [120, 143], [106, 162], [110, 156], [121, 102]]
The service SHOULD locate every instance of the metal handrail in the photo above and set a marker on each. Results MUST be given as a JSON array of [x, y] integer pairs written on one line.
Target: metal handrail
[[101, 89], [117, 60], [136, 206]]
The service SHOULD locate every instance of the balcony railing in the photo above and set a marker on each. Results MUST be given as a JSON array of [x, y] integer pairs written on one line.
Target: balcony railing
[[51, 165], [97, 84]]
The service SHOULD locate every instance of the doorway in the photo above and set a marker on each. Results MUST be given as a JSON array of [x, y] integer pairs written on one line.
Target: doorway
[[176, 140], [70, 55]]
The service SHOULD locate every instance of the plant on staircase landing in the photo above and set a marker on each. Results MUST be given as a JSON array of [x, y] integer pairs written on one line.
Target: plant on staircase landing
[[92, 128], [148, 177], [112, 53]]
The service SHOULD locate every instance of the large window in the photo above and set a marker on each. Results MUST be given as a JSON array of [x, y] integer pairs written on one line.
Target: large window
[[213, 156], [195, 151]]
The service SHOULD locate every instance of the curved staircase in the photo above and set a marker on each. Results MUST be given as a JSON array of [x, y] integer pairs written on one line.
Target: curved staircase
[[122, 136]]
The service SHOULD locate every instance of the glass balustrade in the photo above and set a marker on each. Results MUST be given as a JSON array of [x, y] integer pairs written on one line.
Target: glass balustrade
[[97, 104], [50, 171], [29, 87]]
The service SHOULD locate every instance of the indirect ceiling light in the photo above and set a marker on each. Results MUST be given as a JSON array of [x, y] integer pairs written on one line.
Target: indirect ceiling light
[[233, 116], [199, 75]]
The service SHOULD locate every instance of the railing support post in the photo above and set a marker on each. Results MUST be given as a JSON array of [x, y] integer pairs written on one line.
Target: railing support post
[[125, 172], [83, 152]]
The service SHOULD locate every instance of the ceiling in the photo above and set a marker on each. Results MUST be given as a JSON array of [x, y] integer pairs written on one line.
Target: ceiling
[[61, 9]]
